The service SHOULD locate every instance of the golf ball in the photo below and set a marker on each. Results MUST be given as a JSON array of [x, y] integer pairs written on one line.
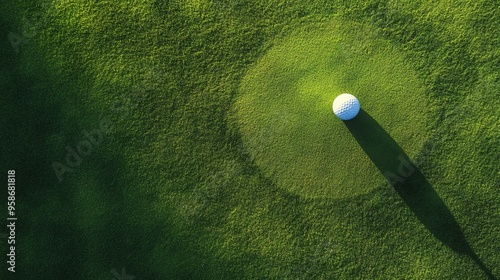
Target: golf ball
[[346, 106]]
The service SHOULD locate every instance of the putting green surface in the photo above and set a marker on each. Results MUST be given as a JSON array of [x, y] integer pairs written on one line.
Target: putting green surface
[[223, 158], [284, 109]]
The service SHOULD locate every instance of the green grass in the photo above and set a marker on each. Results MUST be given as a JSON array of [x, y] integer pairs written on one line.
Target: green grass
[[285, 116], [179, 188]]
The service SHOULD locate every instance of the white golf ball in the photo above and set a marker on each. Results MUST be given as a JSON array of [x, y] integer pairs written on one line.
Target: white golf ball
[[346, 106]]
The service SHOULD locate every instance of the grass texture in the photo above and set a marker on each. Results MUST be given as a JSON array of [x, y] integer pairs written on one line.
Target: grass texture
[[204, 108], [285, 113]]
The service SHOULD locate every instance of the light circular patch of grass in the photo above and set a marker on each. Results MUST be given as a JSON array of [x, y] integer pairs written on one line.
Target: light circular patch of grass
[[284, 108]]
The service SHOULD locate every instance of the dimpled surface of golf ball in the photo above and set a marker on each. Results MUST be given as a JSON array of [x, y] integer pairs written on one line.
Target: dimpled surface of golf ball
[[346, 106]]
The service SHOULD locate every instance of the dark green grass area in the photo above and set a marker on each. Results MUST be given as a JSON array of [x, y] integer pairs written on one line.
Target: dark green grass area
[[409, 182], [172, 192]]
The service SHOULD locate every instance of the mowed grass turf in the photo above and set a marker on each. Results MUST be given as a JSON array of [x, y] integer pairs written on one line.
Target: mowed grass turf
[[175, 189], [285, 112]]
